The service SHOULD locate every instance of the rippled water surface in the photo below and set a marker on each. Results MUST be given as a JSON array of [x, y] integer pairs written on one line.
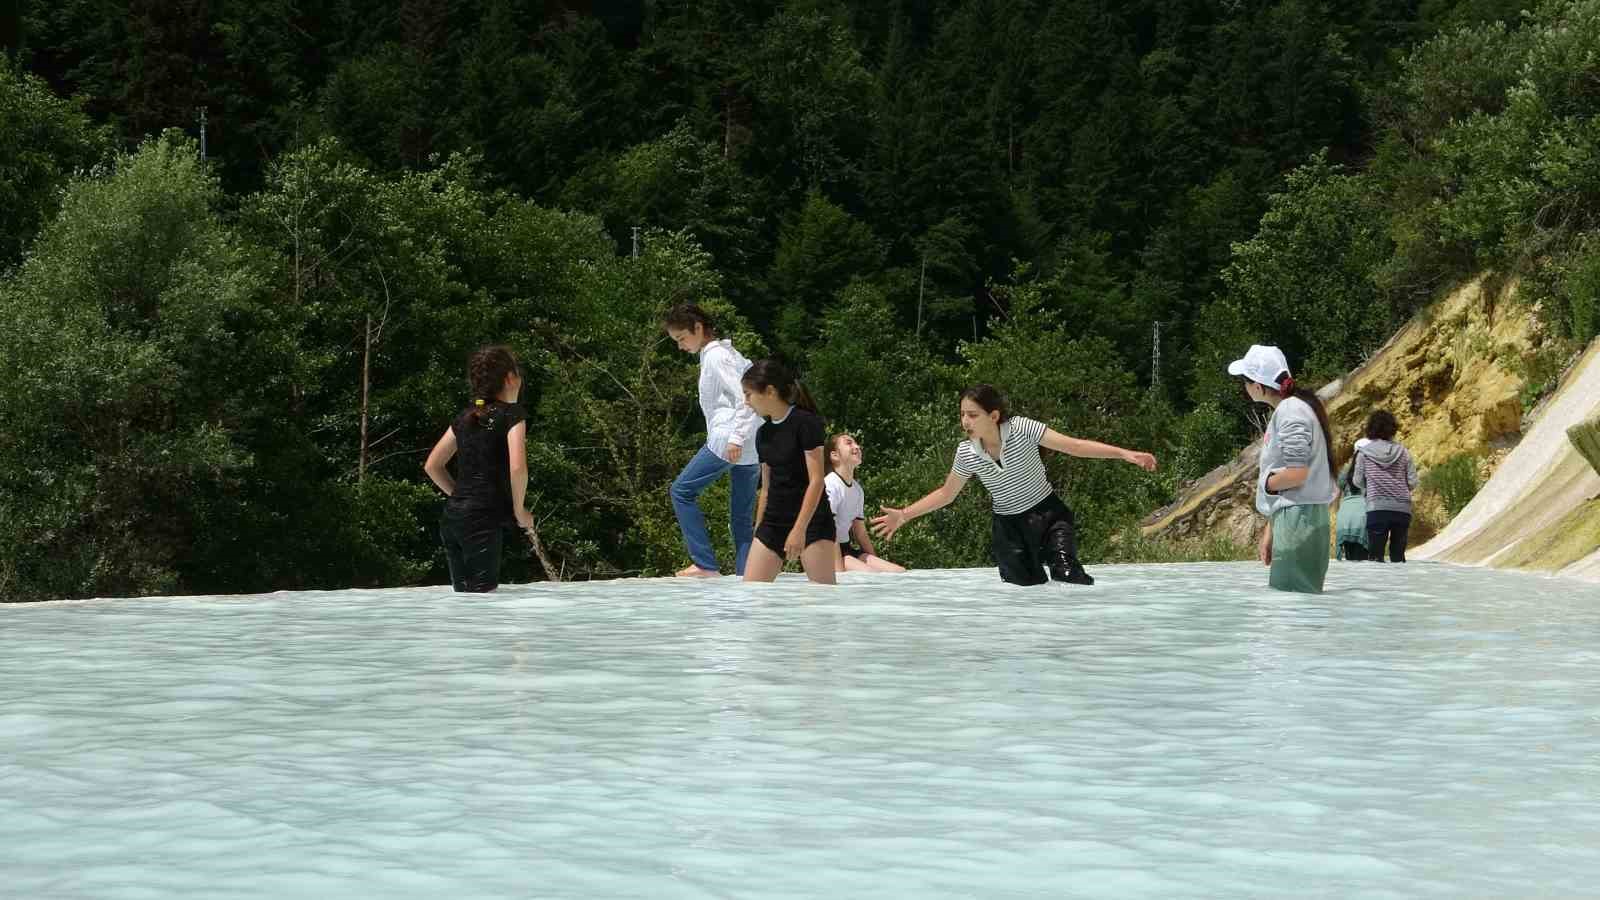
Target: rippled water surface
[[1174, 731]]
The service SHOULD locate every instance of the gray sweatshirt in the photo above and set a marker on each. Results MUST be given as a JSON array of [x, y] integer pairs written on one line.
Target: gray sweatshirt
[[1387, 474], [1294, 438]]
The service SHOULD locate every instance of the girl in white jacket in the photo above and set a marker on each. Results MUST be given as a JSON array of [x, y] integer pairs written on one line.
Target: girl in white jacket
[[730, 443]]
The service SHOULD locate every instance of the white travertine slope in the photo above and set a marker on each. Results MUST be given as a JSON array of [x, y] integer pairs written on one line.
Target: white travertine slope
[[1540, 482]]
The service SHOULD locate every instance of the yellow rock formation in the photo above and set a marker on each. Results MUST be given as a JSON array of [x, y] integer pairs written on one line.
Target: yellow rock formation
[[1445, 376], [1541, 510]]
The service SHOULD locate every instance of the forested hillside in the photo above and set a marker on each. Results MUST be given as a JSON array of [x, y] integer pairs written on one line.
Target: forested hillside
[[220, 368]]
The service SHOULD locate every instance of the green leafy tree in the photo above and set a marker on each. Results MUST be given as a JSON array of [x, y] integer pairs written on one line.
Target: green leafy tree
[[865, 369], [136, 350], [819, 251], [43, 140], [680, 182], [1305, 282], [812, 89]]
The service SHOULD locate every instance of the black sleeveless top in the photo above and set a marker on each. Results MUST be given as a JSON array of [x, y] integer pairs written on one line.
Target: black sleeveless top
[[483, 463]]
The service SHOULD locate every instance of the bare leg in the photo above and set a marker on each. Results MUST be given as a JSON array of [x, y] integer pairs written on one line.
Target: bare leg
[[694, 571], [817, 559], [851, 564], [879, 564], [762, 564]]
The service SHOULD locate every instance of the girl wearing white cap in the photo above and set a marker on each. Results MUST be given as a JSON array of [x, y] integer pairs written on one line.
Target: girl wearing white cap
[[1296, 483]]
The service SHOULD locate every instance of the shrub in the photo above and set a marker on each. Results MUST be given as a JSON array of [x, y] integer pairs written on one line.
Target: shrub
[[1133, 546], [1456, 481]]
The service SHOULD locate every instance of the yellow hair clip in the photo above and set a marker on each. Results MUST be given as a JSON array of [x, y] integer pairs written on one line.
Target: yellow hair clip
[[478, 402]]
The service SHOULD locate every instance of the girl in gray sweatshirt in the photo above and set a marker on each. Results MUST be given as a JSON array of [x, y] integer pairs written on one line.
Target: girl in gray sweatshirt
[[1295, 485], [1386, 474]]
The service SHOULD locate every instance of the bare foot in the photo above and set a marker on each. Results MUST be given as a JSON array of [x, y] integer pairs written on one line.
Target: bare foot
[[697, 572]]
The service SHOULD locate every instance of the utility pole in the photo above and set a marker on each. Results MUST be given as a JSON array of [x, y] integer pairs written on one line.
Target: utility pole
[[366, 389], [1155, 358], [921, 284], [635, 242], [202, 132]]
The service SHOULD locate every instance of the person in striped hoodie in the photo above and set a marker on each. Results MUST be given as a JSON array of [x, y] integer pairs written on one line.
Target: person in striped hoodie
[[1386, 474]]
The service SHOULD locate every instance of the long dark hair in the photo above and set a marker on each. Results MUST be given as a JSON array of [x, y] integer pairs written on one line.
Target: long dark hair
[[1287, 388], [685, 316], [769, 373], [989, 399], [486, 373]]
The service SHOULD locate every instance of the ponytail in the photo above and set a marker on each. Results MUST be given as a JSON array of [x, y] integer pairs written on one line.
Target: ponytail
[[802, 398], [486, 373], [1287, 388], [771, 373]]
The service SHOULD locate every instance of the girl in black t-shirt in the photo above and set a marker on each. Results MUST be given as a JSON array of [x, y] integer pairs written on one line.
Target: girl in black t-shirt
[[491, 480], [793, 520]]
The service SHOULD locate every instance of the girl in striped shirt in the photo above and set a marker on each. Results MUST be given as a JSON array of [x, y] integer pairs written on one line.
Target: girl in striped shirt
[[1032, 529], [1385, 472]]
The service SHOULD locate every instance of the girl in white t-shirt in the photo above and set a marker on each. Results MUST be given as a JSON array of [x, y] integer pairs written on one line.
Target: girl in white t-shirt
[[855, 552]]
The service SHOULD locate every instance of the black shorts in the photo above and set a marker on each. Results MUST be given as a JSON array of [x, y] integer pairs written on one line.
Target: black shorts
[[849, 548], [773, 533]]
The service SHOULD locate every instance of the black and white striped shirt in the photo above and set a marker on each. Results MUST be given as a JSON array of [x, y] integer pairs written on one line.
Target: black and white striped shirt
[[1017, 481]]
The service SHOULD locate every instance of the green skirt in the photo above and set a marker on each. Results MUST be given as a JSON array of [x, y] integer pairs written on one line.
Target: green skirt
[[1300, 540]]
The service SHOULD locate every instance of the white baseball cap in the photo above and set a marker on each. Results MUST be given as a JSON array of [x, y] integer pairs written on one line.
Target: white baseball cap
[[1263, 365]]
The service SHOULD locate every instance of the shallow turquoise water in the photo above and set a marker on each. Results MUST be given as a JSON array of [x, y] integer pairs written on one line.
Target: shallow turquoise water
[[1173, 731]]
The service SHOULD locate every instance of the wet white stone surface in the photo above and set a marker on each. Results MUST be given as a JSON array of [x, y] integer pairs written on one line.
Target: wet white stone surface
[[1173, 731]]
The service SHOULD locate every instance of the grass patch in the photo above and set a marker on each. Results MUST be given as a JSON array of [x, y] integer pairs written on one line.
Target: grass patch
[[1455, 481], [1133, 546]]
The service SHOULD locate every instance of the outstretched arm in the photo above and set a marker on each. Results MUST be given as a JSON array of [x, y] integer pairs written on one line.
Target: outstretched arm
[[944, 495], [1055, 440]]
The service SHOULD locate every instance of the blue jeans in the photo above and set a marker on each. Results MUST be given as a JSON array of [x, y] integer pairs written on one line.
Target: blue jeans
[[705, 468]]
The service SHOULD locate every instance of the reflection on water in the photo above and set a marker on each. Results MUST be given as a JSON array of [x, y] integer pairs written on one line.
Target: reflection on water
[[1173, 731]]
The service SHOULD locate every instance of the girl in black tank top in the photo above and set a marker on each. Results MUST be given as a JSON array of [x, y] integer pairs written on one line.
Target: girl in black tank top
[[489, 440]]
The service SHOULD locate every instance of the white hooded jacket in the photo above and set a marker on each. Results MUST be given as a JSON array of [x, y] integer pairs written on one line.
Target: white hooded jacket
[[729, 420]]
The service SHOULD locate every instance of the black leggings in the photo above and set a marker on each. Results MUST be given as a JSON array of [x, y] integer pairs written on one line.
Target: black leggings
[[1386, 526], [1045, 537], [472, 546], [1355, 552]]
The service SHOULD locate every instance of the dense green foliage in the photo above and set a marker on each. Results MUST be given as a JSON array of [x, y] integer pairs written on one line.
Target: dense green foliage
[[43, 139], [1456, 481], [222, 375]]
